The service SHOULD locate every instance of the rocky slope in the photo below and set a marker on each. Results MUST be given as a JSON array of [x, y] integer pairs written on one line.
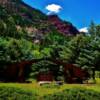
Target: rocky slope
[[63, 27], [34, 21]]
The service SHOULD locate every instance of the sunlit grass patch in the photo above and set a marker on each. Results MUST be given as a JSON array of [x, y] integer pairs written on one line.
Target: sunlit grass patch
[[52, 88]]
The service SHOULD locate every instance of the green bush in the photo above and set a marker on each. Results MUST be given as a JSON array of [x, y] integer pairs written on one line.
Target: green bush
[[13, 93], [74, 94]]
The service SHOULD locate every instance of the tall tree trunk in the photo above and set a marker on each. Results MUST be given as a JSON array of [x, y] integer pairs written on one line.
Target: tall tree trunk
[[93, 74]]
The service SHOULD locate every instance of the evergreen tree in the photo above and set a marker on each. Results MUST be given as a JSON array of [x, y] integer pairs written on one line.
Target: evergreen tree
[[89, 56], [71, 51], [92, 29], [98, 30]]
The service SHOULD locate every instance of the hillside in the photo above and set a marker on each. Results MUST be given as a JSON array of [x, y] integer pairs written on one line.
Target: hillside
[[34, 21], [63, 27]]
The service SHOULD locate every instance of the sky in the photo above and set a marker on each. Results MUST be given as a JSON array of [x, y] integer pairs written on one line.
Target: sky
[[79, 12]]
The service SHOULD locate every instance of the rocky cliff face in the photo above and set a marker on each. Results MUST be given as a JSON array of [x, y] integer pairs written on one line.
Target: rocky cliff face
[[63, 27], [26, 16]]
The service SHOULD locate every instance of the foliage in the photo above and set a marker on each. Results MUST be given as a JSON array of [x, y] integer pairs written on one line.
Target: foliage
[[42, 66], [15, 45], [13, 93], [74, 94], [92, 29], [89, 55], [8, 28], [12, 50], [71, 51], [33, 91]]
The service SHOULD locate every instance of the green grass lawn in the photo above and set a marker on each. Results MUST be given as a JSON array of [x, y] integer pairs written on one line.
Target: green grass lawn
[[51, 88]]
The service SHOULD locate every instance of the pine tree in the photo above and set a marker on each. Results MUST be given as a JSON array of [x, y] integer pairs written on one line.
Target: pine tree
[[71, 51], [92, 29], [89, 56]]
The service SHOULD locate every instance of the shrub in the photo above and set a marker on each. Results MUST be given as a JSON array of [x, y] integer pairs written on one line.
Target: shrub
[[13, 93], [74, 94]]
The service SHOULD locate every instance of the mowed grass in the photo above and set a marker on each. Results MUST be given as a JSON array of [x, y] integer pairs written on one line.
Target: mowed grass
[[51, 88]]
